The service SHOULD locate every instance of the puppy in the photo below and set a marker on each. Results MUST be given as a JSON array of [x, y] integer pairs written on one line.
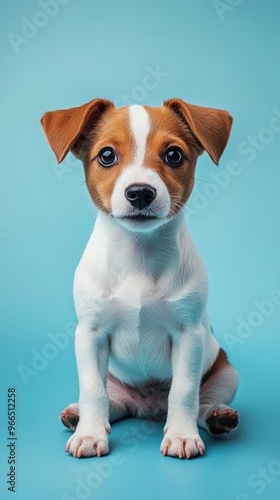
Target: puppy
[[144, 345]]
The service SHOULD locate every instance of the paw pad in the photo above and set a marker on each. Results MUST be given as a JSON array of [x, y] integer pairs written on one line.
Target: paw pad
[[223, 419]]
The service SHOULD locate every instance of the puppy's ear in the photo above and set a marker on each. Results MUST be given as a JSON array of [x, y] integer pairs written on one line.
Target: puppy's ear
[[66, 129], [211, 127]]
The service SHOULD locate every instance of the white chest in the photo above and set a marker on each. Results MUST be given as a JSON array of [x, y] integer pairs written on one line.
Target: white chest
[[140, 341], [139, 307], [140, 321]]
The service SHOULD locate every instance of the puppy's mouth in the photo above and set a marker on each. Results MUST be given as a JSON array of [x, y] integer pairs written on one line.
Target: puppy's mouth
[[140, 221], [139, 217]]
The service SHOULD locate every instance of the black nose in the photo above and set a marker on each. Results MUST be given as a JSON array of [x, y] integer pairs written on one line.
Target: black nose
[[140, 195]]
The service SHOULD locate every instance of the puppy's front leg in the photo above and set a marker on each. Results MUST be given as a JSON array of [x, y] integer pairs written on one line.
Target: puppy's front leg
[[92, 354], [181, 434]]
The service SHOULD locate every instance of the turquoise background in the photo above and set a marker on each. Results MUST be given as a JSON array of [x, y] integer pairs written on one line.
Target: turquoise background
[[219, 54]]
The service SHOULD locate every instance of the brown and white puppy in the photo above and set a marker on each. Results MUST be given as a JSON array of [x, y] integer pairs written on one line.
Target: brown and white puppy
[[144, 344]]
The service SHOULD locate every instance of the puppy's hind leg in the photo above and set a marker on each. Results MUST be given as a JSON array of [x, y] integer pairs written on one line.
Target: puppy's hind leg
[[120, 405], [70, 416], [217, 390]]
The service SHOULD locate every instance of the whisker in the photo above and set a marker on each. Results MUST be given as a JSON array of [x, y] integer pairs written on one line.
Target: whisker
[[175, 197], [202, 187], [83, 182], [73, 182], [87, 213], [198, 213], [202, 180]]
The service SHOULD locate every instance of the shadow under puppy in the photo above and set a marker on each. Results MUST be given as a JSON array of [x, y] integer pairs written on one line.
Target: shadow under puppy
[[144, 345]]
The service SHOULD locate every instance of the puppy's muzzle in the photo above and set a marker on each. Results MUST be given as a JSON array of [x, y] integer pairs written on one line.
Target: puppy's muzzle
[[140, 195]]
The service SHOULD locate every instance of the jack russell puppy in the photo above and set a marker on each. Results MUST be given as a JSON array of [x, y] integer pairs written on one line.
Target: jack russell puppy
[[144, 345]]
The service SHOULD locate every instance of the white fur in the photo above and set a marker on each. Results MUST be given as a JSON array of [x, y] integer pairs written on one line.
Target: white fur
[[140, 126], [131, 290], [141, 304], [138, 173], [141, 294]]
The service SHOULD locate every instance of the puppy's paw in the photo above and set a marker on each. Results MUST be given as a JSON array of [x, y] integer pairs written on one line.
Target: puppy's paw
[[80, 445], [221, 419], [70, 416], [182, 445]]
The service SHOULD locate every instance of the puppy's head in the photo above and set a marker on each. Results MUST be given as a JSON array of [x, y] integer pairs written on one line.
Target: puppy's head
[[139, 161]]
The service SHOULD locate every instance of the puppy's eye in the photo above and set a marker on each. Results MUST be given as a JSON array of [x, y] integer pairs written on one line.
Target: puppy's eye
[[174, 156], [107, 157]]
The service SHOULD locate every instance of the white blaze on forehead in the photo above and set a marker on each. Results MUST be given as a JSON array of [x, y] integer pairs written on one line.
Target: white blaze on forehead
[[140, 126], [139, 173]]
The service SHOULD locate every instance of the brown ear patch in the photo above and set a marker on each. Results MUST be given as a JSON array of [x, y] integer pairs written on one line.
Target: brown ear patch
[[65, 129], [211, 127]]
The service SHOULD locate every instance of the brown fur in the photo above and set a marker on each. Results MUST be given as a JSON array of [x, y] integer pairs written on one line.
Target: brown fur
[[65, 127], [210, 126], [168, 130], [86, 129], [220, 361], [112, 130]]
